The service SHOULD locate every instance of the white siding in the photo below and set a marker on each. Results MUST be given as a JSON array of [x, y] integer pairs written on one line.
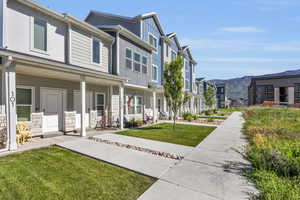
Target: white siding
[[81, 51], [19, 29]]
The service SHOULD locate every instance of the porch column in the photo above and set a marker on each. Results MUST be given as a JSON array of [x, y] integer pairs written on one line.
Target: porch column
[[164, 108], [9, 99], [291, 95], [276, 96], [154, 106], [121, 106], [83, 105]]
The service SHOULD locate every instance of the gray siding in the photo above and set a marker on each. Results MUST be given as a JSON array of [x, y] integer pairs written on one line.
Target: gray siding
[[103, 20], [81, 51], [137, 78]]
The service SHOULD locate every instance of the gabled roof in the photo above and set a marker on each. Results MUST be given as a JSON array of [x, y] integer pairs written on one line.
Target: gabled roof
[[129, 19], [155, 17], [187, 49], [174, 35], [290, 73]]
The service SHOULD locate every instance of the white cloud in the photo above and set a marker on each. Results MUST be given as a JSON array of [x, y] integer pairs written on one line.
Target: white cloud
[[242, 45], [242, 29], [249, 60]]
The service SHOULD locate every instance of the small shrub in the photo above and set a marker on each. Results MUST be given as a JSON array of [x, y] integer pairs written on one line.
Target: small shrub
[[187, 115], [195, 117], [210, 120], [207, 112], [189, 118]]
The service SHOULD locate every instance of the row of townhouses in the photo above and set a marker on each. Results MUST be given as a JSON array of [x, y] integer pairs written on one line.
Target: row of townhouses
[[60, 73]]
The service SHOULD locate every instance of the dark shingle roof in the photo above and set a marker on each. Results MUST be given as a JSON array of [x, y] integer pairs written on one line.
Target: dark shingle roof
[[286, 73]]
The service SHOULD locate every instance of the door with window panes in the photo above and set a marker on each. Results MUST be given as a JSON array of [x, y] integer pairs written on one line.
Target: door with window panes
[[24, 104], [100, 104]]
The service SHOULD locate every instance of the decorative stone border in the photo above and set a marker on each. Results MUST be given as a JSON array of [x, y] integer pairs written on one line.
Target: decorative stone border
[[153, 152]]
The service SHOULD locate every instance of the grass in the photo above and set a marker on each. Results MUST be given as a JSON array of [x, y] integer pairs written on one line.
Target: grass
[[55, 173], [274, 151], [187, 135], [207, 117]]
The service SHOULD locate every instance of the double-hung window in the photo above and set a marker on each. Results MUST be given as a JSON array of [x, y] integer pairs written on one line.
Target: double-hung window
[[96, 54], [153, 41], [145, 65], [137, 62], [131, 105], [129, 61], [40, 34], [24, 103], [154, 73]]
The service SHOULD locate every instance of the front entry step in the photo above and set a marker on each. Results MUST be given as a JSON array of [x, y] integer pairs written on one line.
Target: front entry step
[[52, 134]]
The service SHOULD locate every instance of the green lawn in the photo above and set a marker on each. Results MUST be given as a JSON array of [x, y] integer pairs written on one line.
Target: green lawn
[[55, 173], [184, 134], [274, 151], [208, 117]]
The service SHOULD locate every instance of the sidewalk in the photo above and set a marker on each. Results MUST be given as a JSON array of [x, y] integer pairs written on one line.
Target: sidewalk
[[212, 171]]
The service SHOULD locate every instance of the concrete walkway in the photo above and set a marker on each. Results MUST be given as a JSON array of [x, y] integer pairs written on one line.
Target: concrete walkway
[[212, 171]]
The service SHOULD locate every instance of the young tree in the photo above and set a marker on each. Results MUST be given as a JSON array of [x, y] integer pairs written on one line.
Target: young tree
[[210, 97], [173, 87]]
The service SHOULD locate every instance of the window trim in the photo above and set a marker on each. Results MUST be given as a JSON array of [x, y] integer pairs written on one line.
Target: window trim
[[104, 100], [32, 48], [172, 51], [153, 65], [167, 50], [156, 48], [32, 88], [100, 51], [144, 64], [132, 54], [134, 61]]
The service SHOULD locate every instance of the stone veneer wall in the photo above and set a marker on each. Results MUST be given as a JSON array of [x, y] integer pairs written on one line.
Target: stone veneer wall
[[70, 121], [3, 132]]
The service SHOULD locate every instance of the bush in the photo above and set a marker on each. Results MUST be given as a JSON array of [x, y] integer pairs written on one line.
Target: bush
[[195, 117], [189, 118], [207, 112], [187, 115], [134, 123], [210, 120]]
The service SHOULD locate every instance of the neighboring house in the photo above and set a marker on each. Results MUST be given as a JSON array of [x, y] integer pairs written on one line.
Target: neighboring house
[[221, 95], [132, 58], [202, 87], [55, 71], [281, 88]]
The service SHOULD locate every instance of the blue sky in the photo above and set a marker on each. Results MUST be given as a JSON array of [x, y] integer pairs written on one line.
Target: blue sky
[[229, 38]]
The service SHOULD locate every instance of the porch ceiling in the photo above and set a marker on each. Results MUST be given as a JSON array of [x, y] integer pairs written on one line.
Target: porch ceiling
[[60, 75]]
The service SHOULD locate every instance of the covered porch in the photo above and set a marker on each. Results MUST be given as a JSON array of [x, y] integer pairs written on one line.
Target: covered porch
[[53, 98]]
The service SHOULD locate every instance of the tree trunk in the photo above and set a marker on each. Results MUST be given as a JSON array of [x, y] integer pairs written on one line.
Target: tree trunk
[[174, 119]]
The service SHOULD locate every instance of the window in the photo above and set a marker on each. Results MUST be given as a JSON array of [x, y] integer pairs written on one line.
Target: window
[[24, 103], [167, 50], [145, 65], [173, 55], [138, 105], [100, 103], [137, 62], [187, 84], [40, 34], [131, 105], [129, 59], [153, 41], [154, 73], [96, 51], [269, 92]]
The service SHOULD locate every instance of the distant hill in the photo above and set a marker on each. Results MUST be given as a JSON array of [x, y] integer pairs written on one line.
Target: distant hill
[[236, 88]]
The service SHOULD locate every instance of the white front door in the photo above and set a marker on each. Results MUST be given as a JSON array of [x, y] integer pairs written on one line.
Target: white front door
[[52, 104]]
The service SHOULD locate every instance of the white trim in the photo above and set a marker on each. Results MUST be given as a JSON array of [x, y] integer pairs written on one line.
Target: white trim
[[132, 54], [141, 36], [135, 86], [92, 51], [31, 38], [153, 65], [118, 52], [156, 48], [172, 51], [32, 88], [140, 62]]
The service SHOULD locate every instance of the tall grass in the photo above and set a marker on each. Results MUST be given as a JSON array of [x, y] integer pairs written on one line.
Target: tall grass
[[274, 151]]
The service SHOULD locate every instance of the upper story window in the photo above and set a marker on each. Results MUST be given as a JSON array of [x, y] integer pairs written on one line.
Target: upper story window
[[40, 34], [154, 73], [145, 65], [129, 61], [153, 41], [137, 62], [96, 51]]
